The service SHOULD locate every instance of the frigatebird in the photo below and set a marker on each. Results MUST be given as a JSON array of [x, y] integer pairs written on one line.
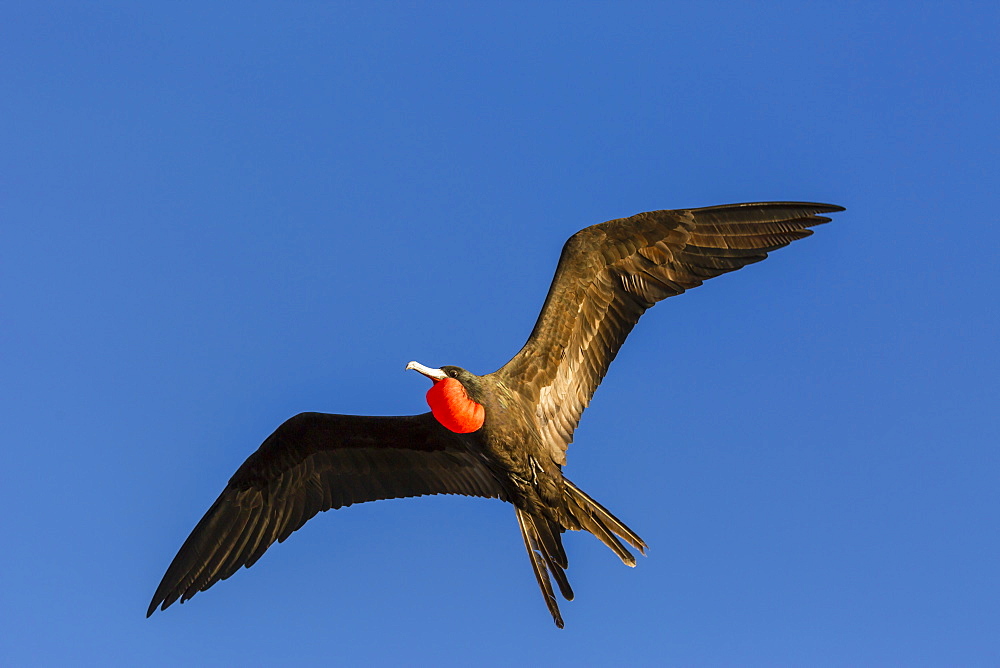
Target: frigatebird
[[502, 435]]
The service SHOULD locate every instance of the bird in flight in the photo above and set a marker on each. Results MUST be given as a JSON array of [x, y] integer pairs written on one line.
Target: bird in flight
[[502, 435]]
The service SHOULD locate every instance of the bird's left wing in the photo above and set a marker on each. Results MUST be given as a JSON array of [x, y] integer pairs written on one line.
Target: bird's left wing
[[314, 462], [610, 273]]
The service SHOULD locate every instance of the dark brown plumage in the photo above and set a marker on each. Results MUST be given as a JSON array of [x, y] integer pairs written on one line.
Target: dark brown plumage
[[607, 276]]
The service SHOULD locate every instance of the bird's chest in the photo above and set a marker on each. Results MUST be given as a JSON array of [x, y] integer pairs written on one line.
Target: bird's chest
[[511, 432], [512, 438], [526, 464], [516, 451]]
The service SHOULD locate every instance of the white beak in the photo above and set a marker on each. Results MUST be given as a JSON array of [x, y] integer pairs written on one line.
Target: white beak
[[433, 374]]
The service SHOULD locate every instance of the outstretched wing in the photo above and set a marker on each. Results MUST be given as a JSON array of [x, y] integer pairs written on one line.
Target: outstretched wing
[[610, 273], [315, 462]]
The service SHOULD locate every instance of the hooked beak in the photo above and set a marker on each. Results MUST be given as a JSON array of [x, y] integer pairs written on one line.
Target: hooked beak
[[433, 374]]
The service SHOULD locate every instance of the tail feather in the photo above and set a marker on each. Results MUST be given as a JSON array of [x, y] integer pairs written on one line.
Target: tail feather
[[540, 564], [549, 534], [543, 541], [550, 545], [604, 535], [599, 521]]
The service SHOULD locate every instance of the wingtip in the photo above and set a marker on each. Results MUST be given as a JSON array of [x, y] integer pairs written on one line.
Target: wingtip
[[827, 208], [821, 207], [158, 603]]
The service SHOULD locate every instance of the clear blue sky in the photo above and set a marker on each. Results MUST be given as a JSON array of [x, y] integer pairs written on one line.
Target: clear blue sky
[[214, 218]]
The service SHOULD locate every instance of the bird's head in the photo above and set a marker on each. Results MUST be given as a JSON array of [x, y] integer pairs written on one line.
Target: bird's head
[[453, 397]]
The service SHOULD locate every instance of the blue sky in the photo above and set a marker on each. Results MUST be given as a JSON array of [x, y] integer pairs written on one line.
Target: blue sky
[[212, 218]]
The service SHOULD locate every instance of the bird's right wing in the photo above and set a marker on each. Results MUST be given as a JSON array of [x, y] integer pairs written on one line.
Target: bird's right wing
[[311, 463]]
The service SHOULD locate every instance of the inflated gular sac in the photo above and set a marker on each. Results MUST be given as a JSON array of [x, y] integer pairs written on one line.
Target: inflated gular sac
[[453, 408]]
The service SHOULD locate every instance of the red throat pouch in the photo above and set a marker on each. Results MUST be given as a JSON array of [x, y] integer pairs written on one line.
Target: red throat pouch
[[453, 408]]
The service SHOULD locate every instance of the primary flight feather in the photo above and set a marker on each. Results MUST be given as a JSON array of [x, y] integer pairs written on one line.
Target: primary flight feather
[[501, 435]]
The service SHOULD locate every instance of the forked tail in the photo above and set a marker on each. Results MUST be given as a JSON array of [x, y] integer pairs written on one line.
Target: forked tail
[[599, 521], [543, 541]]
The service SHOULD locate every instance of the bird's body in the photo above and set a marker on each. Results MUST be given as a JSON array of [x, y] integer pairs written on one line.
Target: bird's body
[[504, 434]]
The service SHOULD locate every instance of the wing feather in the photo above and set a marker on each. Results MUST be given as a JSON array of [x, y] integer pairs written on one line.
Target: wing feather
[[609, 274], [311, 463]]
